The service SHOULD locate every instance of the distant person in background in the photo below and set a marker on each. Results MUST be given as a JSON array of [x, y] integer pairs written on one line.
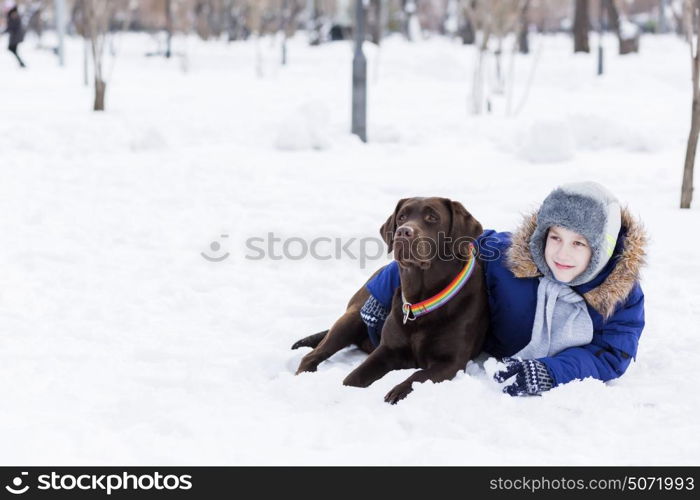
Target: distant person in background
[[16, 31]]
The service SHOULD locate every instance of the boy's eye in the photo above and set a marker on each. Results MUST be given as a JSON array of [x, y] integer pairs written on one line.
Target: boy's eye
[[579, 243], [555, 238]]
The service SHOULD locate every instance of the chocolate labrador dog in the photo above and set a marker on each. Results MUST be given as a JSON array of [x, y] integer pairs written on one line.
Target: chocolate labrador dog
[[439, 316]]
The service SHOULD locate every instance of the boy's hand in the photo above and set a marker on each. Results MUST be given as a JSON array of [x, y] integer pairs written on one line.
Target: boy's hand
[[531, 377]]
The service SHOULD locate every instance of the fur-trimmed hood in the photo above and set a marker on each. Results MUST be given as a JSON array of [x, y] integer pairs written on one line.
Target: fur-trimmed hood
[[615, 287]]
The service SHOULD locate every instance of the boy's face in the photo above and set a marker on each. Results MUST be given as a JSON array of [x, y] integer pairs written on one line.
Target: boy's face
[[567, 253]]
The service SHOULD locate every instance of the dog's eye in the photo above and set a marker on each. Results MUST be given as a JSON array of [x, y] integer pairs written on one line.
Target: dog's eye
[[402, 217], [432, 218]]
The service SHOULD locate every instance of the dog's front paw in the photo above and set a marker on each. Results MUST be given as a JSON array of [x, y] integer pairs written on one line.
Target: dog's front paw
[[308, 363], [398, 393], [355, 380]]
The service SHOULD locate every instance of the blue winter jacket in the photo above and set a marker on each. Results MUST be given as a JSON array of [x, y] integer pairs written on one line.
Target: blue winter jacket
[[614, 298]]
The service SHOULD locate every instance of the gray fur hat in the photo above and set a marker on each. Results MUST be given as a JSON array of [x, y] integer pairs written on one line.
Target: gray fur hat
[[586, 208]]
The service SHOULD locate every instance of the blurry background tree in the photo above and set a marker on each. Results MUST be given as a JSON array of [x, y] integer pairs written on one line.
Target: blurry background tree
[[493, 26], [96, 15], [168, 27], [524, 28], [614, 13], [257, 23], [234, 19], [490, 19], [691, 18], [375, 21], [96, 18], [582, 26], [289, 21]]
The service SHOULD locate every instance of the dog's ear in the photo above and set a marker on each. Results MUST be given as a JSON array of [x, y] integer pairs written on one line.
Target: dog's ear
[[464, 228], [389, 227]]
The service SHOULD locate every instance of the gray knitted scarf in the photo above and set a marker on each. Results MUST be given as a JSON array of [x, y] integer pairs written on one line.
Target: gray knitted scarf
[[561, 321]]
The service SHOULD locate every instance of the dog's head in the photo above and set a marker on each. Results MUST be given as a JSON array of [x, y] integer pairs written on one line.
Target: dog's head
[[424, 229]]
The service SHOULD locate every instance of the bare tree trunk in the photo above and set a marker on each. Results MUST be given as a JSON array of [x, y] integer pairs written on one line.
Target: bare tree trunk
[[100, 91], [375, 21], [466, 32], [687, 187], [628, 42], [613, 16], [285, 20], [523, 29], [313, 23], [506, 16], [581, 26], [477, 16], [478, 84], [97, 15], [359, 75], [168, 27], [499, 86], [662, 22], [692, 22], [86, 52], [499, 19]]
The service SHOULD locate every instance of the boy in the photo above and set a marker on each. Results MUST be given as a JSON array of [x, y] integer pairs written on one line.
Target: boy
[[564, 291]]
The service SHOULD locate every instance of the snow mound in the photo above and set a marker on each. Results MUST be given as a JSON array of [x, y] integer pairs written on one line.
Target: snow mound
[[147, 139], [306, 129], [595, 132], [546, 141], [384, 134]]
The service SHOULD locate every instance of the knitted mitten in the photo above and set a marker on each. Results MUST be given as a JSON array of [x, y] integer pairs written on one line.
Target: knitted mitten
[[531, 377], [373, 313]]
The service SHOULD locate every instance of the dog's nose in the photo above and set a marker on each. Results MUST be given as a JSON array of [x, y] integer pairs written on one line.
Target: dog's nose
[[404, 232]]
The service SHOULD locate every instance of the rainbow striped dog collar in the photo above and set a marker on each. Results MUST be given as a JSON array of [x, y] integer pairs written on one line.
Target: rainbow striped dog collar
[[413, 311]]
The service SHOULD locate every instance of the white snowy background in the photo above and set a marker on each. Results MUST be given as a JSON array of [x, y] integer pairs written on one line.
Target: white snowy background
[[120, 344]]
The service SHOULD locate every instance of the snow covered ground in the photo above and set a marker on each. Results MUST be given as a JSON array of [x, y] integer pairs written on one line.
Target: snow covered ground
[[121, 344]]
